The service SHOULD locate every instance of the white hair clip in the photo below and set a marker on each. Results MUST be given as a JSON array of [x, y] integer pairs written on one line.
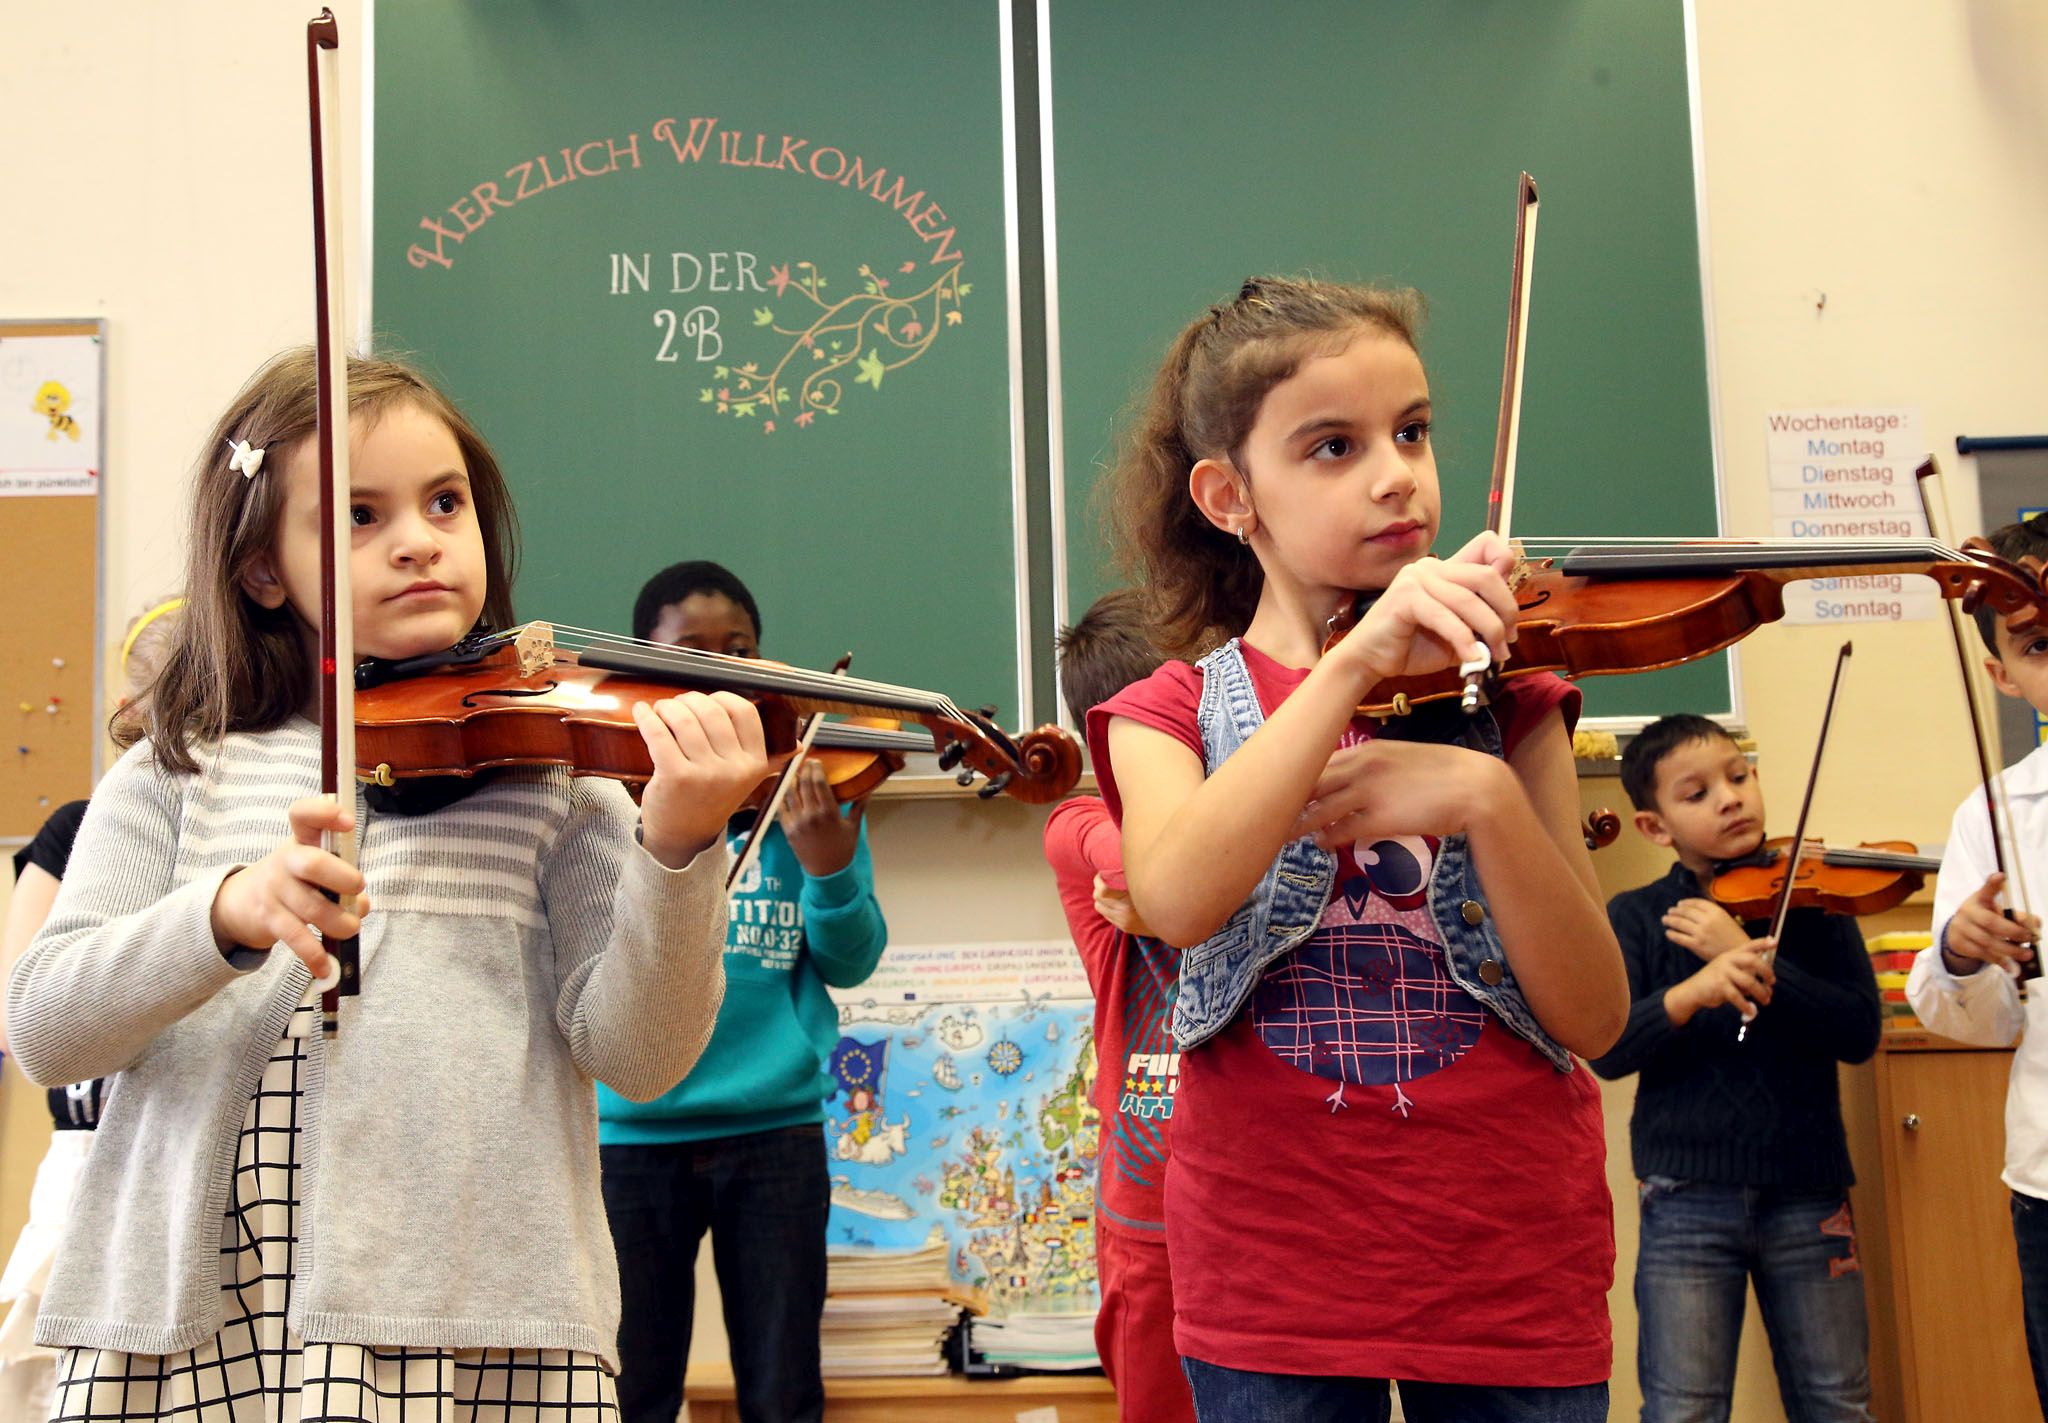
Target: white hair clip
[[245, 460]]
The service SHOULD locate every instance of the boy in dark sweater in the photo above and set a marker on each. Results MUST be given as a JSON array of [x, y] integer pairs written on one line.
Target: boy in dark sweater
[[1738, 1145]]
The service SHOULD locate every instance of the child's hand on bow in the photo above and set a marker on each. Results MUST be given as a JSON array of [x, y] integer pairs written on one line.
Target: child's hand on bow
[[1979, 933], [823, 839], [709, 756], [280, 899], [1434, 610], [1740, 978]]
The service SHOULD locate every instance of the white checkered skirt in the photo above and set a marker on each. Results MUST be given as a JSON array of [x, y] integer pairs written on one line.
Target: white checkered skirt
[[257, 1371]]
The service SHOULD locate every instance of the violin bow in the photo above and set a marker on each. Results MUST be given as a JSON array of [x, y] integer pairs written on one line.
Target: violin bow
[[337, 609], [1996, 810], [752, 850], [1500, 494], [1799, 830]]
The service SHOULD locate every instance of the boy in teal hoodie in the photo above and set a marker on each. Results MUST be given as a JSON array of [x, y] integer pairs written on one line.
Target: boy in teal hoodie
[[738, 1147]]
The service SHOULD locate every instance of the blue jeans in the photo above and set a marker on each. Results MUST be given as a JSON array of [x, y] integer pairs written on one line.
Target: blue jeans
[[1235, 1396], [2030, 1234], [1701, 1246], [764, 1197]]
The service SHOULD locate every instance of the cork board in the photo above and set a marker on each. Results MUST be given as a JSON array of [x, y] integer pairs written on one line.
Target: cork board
[[52, 375]]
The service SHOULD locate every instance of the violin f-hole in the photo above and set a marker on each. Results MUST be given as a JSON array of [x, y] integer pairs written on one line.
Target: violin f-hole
[[469, 701]]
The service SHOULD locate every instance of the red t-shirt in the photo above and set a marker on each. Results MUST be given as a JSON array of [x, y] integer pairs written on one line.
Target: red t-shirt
[[1137, 1069], [1374, 1176]]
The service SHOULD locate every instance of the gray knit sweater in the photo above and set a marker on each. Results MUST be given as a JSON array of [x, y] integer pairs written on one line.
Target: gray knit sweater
[[519, 944]]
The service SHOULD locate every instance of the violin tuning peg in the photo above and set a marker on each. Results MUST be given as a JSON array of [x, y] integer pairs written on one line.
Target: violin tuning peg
[[995, 786], [950, 756], [965, 778], [988, 711]]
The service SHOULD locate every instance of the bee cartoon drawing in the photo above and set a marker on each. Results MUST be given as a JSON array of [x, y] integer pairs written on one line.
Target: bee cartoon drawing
[[53, 400]]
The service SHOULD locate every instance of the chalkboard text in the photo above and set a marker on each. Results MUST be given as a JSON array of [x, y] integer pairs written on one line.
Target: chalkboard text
[[735, 149], [529, 179], [687, 271]]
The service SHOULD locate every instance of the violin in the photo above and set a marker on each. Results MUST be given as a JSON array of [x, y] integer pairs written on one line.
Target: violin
[[1869, 879], [523, 698], [860, 753], [856, 755], [1633, 606]]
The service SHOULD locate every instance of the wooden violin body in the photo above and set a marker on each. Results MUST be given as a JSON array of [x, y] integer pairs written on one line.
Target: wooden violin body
[[858, 754], [520, 702], [1604, 610], [1876, 876]]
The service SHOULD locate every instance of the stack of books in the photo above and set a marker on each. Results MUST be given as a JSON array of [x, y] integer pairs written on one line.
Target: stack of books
[[888, 1312], [1036, 1341], [1891, 959]]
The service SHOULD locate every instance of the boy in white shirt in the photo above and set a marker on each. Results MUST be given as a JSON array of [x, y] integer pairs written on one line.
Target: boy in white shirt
[[1948, 987]]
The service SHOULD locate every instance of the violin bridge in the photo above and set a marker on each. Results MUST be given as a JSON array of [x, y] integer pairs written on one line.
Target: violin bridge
[[534, 647], [1523, 570]]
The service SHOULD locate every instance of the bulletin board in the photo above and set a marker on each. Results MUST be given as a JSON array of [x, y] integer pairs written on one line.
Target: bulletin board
[[52, 443]]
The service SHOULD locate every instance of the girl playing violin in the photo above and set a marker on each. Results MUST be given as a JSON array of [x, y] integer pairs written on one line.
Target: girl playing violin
[[1388, 1163], [272, 1225], [739, 1148]]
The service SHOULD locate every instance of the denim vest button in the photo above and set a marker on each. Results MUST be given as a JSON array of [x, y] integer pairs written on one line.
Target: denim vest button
[[1490, 972], [1474, 912]]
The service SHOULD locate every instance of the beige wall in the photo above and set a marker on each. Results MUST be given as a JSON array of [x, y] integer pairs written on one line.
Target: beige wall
[[1890, 153]]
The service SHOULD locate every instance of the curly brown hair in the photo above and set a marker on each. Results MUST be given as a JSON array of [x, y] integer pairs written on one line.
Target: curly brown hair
[[1201, 406], [233, 665]]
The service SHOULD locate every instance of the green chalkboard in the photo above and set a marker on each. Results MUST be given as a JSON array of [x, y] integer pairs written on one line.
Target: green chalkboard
[[1199, 141], [723, 281]]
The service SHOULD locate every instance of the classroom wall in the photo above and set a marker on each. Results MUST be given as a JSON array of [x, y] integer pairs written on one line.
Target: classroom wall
[[1889, 154]]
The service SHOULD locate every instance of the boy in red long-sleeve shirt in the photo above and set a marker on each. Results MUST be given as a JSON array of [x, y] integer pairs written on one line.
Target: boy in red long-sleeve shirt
[[1133, 977]]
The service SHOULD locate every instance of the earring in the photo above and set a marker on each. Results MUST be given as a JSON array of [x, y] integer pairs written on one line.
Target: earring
[[1242, 536]]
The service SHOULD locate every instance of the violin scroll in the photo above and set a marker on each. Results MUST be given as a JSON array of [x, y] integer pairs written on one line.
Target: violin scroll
[[1601, 828], [1037, 767]]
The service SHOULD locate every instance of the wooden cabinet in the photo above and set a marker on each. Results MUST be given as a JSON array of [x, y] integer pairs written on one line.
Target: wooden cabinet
[[1954, 1278]]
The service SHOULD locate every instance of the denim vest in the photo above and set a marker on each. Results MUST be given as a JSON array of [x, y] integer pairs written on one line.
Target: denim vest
[[1219, 974]]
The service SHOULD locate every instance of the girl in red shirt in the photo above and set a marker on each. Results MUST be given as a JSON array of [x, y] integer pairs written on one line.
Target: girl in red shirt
[[1376, 1176]]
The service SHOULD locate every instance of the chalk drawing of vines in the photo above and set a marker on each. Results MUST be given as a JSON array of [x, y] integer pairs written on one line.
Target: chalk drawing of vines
[[874, 331]]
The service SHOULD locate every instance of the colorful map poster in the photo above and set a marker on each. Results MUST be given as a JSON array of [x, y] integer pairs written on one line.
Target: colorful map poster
[[963, 1077]]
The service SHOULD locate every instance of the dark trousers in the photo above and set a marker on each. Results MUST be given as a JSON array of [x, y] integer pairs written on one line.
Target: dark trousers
[[2030, 1233], [764, 1198], [1234, 1396]]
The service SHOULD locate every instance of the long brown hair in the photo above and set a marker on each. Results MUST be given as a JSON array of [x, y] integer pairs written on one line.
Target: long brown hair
[[233, 664], [1201, 406]]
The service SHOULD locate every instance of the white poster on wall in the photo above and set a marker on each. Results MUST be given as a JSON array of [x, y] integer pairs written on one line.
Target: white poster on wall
[[49, 414], [1846, 472]]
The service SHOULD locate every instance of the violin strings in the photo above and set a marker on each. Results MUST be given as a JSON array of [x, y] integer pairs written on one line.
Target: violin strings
[[1924, 547], [815, 686]]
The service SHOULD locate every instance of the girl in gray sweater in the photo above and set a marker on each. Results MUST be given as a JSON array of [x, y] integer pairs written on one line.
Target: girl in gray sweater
[[402, 1222]]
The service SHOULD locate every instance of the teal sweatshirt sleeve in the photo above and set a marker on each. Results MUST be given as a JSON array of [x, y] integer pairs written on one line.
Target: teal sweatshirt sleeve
[[844, 931]]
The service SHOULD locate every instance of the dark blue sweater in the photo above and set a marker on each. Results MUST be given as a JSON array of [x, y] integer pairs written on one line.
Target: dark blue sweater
[[1763, 1112]]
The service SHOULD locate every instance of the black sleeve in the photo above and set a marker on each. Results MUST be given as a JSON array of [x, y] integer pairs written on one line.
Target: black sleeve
[[1827, 989], [50, 851], [1649, 1027]]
